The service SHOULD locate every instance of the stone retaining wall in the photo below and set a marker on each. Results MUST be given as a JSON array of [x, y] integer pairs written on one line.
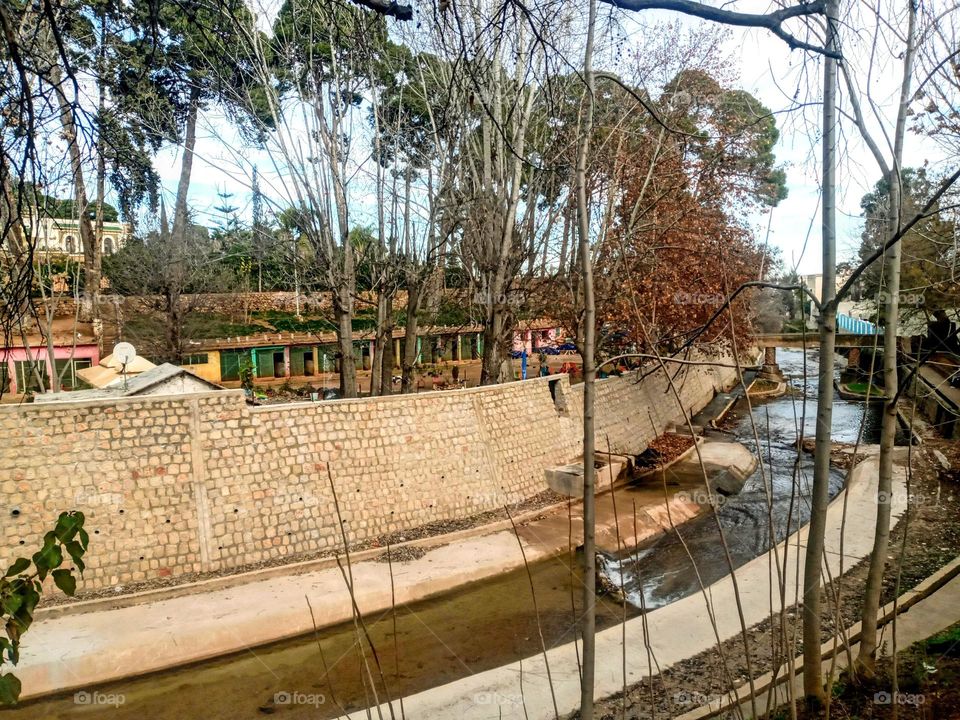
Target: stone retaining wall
[[187, 484]]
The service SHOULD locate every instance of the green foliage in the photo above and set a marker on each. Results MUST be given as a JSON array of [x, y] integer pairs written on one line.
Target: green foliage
[[21, 588], [246, 376], [733, 130], [946, 642], [860, 388], [318, 43], [929, 254]]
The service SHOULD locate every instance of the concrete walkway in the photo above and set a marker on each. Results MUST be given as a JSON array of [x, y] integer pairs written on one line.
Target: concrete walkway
[[676, 632], [66, 649], [933, 605]]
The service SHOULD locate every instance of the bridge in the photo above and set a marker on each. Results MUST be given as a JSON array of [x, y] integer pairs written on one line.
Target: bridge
[[851, 333], [812, 339], [852, 336]]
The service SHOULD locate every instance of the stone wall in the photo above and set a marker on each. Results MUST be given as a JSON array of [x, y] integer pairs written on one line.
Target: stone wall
[[178, 485]]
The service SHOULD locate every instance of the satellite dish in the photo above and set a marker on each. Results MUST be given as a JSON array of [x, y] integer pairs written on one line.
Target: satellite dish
[[125, 353]]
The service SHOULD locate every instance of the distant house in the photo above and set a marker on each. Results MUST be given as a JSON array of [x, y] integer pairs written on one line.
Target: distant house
[[62, 236], [28, 368], [273, 355], [164, 379]]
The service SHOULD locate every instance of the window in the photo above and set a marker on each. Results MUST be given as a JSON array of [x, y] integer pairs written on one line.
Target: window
[[232, 361], [67, 372], [196, 359], [108, 246], [70, 244], [27, 377]]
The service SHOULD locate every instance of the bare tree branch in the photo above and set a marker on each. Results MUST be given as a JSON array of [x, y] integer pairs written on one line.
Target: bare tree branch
[[770, 21], [389, 8]]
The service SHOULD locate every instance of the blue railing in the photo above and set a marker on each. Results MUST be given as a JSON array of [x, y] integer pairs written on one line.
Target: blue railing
[[856, 326]]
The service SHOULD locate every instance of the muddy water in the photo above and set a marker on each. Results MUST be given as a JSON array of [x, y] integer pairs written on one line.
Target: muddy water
[[673, 566], [484, 625]]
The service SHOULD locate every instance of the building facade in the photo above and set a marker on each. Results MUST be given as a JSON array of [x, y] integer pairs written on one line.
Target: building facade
[[304, 355], [29, 369], [61, 236]]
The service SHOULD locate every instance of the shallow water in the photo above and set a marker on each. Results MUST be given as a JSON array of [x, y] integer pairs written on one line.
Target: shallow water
[[663, 570]]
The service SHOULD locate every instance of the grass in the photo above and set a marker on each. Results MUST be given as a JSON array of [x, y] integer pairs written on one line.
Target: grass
[[946, 642], [860, 388]]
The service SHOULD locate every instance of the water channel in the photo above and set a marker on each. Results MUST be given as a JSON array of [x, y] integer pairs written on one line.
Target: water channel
[[492, 622]]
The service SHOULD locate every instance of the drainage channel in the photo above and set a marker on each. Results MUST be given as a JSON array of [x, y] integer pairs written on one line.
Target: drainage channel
[[492, 622]]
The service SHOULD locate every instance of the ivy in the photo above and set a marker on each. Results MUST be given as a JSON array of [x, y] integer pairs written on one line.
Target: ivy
[[22, 585]]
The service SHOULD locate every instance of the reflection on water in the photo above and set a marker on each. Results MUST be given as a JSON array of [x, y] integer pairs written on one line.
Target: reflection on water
[[662, 569]]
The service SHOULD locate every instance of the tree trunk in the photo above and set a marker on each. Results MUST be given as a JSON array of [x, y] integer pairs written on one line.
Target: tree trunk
[[812, 671], [410, 339], [343, 314], [97, 259], [181, 209], [174, 315], [90, 302], [494, 354], [866, 659], [588, 623], [386, 365], [382, 362]]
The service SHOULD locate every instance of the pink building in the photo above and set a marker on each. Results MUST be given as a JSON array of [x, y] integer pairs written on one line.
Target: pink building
[[20, 366], [533, 339]]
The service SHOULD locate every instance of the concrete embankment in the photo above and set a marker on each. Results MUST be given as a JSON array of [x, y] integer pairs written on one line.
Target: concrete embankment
[[82, 650], [675, 632], [177, 488], [69, 649]]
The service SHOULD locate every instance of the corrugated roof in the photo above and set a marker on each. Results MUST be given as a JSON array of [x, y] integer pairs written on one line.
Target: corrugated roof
[[272, 339], [135, 385]]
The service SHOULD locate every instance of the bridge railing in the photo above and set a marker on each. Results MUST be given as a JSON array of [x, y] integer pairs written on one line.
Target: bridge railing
[[856, 326]]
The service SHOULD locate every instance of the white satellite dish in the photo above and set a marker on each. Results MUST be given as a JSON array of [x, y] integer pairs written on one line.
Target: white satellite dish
[[124, 353]]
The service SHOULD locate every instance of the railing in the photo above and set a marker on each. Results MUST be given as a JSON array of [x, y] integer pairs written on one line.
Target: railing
[[856, 326]]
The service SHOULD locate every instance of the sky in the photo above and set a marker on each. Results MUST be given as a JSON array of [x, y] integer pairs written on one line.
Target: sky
[[767, 68]]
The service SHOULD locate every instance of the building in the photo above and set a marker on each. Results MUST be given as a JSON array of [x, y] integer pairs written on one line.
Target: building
[[164, 379], [815, 284], [111, 372], [62, 236], [27, 368], [304, 355]]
